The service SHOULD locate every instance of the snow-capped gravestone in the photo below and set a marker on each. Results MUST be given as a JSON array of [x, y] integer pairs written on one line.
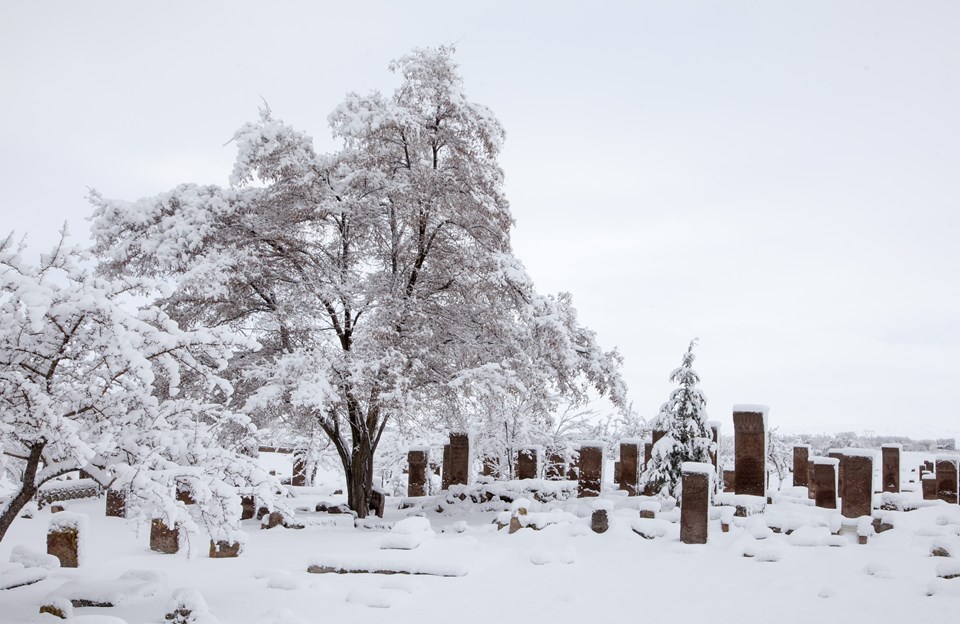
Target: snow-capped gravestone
[[248, 507], [857, 493], [65, 538], [591, 469], [750, 449], [695, 502], [890, 467], [116, 505], [801, 469], [630, 466], [928, 486], [459, 472], [418, 459], [528, 463], [825, 481], [164, 539], [947, 478], [230, 545]]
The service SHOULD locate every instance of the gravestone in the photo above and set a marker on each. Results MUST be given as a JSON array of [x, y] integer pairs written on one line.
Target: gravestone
[[715, 436], [928, 465], [222, 549], [750, 449], [417, 461], [630, 466], [695, 502], [528, 463], [729, 481], [248, 507], [857, 494], [163, 539], [556, 466], [947, 478], [116, 503], [378, 502], [825, 481], [64, 538], [801, 469], [459, 458], [890, 467], [446, 468], [591, 469], [928, 485], [299, 477]]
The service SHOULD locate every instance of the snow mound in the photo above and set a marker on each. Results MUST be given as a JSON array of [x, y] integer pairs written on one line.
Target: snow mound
[[376, 598], [285, 581], [809, 536], [762, 552], [94, 619], [384, 563], [30, 558], [407, 534], [649, 528], [878, 570], [543, 556], [132, 586], [16, 575]]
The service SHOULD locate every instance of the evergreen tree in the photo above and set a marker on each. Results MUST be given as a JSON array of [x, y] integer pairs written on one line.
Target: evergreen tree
[[683, 418]]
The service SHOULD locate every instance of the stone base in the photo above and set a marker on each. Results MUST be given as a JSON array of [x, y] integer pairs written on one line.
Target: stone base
[[65, 546], [164, 539], [222, 549], [116, 504]]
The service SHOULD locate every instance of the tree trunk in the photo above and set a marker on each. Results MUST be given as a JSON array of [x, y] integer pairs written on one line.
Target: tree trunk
[[358, 481], [27, 490]]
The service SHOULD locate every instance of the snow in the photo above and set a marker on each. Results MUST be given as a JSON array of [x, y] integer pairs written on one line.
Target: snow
[[825, 461], [30, 558], [698, 468], [753, 408], [896, 446]]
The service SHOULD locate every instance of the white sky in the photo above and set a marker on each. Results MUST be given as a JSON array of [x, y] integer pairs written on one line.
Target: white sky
[[779, 179]]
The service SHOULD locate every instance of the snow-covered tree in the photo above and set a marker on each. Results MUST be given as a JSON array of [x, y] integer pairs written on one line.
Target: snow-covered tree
[[687, 437], [379, 279], [90, 380], [779, 455]]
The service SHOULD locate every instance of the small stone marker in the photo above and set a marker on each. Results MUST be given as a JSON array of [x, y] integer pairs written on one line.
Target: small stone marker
[[591, 469], [801, 469], [248, 507], [890, 467], [695, 502], [271, 520], [447, 468], [947, 478], [857, 495], [750, 452], [116, 503], [418, 458], [928, 485], [56, 508], [378, 501], [459, 458], [600, 518], [222, 549], [825, 481], [64, 538], [729, 480], [630, 466], [528, 463], [163, 539], [299, 477]]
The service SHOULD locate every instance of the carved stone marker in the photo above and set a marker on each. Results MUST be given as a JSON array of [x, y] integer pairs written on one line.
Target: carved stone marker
[[801, 469], [163, 539], [928, 485], [695, 502], [890, 467], [857, 494], [417, 461], [630, 466], [459, 458], [556, 466], [947, 478], [750, 449], [299, 476], [599, 521], [528, 463], [591, 469], [116, 503], [63, 538], [446, 468], [825, 481], [222, 549]]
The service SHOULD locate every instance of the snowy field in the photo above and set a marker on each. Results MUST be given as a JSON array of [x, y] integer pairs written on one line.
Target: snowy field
[[563, 572]]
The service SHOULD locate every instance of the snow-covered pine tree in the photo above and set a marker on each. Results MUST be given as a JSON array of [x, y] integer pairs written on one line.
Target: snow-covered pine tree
[[684, 419]]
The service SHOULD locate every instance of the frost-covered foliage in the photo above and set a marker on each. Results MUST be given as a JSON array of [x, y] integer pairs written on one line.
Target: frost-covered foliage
[[379, 279], [687, 437], [779, 455], [90, 380]]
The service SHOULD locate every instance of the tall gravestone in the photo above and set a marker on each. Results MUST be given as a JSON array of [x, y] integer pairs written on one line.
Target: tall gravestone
[[630, 466], [446, 468], [890, 467], [857, 494], [528, 463], [695, 502], [801, 469], [750, 449], [947, 478], [418, 461], [825, 481], [591, 469], [459, 458]]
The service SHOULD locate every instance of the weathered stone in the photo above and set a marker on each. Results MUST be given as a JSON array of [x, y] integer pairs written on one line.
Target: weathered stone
[[248, 507], [599, 521], [56, 508], [447, 469], [460, 458], [694, 508], [417, 462], [825, 482], [630, 467], [222, 549], [378, 502], [837, 455], [750, 452], [61, 611], [64, 544], [857, 494], [729, 480], [880, 526], [163, 539], [928, 485], [116, 503], [591, 470], [184, 495], [947, 479], [801, 457], [648, 513], [928, 465], [299, 477], [528, 463], [271, 520], [890, 468]]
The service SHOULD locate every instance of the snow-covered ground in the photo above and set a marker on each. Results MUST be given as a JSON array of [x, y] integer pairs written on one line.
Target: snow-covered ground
[[561, 573]]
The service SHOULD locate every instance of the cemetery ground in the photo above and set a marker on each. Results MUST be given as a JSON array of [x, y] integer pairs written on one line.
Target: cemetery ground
[[793, 563]]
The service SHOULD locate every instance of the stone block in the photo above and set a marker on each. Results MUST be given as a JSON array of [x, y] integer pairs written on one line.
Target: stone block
[[528, 463], [694, 507], [116, 506], [947, 479], [857, 494], [729, 480], [750, 451], [460, 459], [164, 539], [599, 521], [825, 481], [248, 507], [890, 468], [591, 470], [928, 485], [418, 461], [64, 544], [801, 457], [630, 467], [222, 549]]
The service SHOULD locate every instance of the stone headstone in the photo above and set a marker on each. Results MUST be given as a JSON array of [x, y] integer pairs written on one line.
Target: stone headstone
[[857, 494], [890, 467], [630, 466], [248, 507], [222, 549], [928, 485], [459, 458], [695, 502], [378, 502], [825, 481], [729, 481], [599, 521], [801, 458], [271, 520], [947, 478], [528, 463], [64, 538], [299, 477], [417, 461], [928, 465], [591, 469], [447, 468], [116, 503], [750, 449], [163, 539]]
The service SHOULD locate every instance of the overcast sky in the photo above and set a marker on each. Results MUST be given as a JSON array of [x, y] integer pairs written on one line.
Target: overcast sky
[[778, 179]]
